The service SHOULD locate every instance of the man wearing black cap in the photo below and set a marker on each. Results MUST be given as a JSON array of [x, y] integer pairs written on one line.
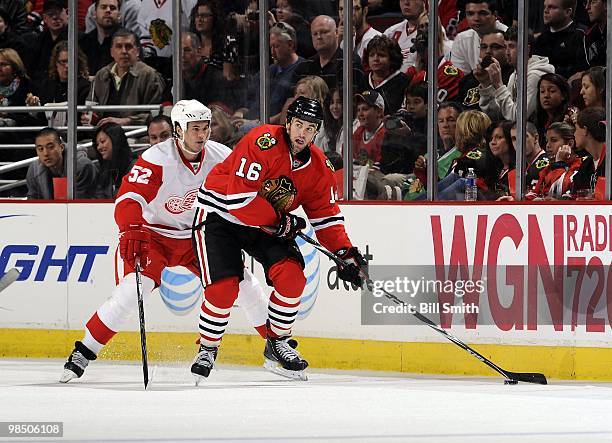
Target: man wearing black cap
[[55, 18], [246, 203], [368, 137]]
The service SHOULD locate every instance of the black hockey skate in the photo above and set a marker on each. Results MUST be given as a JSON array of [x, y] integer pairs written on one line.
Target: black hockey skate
[[204, 362], [282, 359], [77, 362]]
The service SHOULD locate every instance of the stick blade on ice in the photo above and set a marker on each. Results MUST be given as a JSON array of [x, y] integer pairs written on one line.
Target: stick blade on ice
[[8, 278], [528, 377]]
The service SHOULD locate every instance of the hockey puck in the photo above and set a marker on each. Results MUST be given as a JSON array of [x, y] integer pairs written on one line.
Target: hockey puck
[[510, 382]]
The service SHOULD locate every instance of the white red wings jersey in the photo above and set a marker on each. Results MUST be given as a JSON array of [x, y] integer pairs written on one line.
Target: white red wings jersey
[[399, 33], [260, 180], [160, 190]]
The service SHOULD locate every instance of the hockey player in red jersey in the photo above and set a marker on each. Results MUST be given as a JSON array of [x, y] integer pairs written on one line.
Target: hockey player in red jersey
[[245, 204], [154, 212]]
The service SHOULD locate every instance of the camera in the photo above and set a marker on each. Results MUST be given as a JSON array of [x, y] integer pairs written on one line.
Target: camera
[[486, 62], [419, 43], [253, 16]]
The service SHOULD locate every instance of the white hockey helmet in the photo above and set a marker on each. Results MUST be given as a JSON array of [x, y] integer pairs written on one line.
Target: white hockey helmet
[[185, 111]]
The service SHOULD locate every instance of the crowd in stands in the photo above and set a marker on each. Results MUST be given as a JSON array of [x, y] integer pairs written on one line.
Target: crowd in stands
[[125, 50]]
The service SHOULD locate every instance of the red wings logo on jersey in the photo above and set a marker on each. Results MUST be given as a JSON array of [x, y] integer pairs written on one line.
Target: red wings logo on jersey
[[178, 205], [280, 192]]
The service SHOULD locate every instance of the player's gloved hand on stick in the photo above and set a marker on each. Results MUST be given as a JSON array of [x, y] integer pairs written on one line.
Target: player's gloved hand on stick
[[352, 272], [288, 226], [134, 243]]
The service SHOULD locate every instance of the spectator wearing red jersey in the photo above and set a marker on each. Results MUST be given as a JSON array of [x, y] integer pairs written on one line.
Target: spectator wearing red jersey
[[368, 137], [449, 76], [554, 181]]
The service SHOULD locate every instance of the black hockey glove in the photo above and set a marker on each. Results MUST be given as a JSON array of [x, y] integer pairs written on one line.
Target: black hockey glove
[[352, 272], [288, 226]]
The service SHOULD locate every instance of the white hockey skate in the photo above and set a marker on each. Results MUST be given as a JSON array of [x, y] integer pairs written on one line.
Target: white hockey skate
[[77, 362], [281, 358], [203, 363]]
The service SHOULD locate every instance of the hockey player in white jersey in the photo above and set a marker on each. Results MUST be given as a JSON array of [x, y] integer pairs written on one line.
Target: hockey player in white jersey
[[153, 211]]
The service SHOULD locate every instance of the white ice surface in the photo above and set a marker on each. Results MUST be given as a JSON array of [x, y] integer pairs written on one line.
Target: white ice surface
[[247, 404]]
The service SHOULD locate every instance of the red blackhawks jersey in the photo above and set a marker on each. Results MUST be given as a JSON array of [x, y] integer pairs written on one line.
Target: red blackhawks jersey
[[261, 179], [449, 78], [160, 190]]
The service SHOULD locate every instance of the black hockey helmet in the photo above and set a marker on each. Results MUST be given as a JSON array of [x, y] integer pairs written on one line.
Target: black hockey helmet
[[306, 109]]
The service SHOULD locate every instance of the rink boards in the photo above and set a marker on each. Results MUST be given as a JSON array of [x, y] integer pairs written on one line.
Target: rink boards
[[523, 254]]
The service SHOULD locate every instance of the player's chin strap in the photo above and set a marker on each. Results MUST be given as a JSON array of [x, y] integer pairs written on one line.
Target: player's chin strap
[[184, 148]]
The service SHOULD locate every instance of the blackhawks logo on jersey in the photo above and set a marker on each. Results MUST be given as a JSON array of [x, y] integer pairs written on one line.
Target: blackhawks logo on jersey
[[265, 141], [280, 192], [474, 154], [451, 71], [160, 33], [543, 163], [329, 165], [472, 97]]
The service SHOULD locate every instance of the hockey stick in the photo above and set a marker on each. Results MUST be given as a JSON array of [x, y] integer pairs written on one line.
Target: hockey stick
[[143, 336], [511, 377], [8, 278]]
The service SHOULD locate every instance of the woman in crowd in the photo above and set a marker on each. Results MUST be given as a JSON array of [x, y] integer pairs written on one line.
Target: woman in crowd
[[553, 103], [472, 144], [470, 152], [593, 90], [383, 58], [15, 85], [590, 136], [502, 149], [115, 159], [207, 24], [332, 120], [54, 88], [555, 180]]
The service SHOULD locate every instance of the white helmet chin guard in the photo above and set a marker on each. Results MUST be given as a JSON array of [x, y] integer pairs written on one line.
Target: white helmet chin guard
[[185, 111]]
